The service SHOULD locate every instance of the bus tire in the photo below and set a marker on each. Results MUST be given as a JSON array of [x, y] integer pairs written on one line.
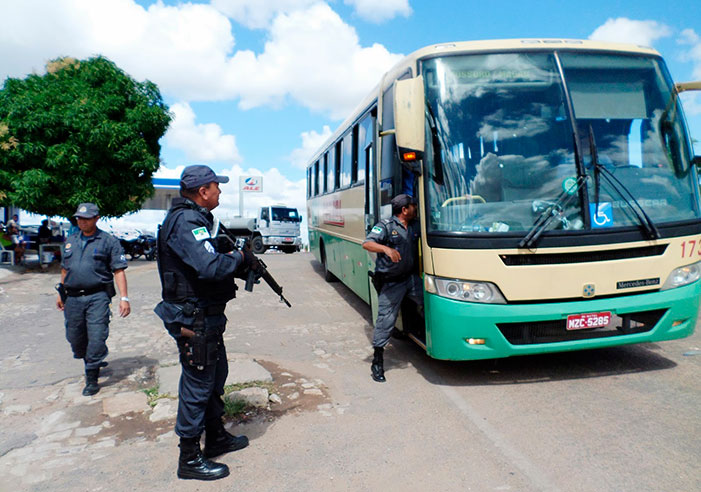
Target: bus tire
[[328, 276], [257, 245]]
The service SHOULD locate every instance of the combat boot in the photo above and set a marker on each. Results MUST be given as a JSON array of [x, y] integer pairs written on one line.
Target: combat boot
[[91, 386], [377, 368], [218, 441], [193, 465]]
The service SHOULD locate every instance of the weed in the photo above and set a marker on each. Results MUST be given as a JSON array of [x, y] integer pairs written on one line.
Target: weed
[[233, 408], [152, 395]]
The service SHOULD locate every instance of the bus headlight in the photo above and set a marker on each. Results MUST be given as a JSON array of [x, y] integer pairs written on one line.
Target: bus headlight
[[461, 290], [683, 276]]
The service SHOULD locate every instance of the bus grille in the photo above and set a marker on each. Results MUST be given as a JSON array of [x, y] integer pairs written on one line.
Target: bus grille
[[582, 257], [556, 331]]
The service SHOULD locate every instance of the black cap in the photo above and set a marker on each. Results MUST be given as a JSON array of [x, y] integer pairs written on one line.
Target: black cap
[[402, 200], [87, 211], [196, 176]]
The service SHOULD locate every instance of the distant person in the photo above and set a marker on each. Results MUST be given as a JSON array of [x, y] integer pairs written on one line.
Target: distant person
[[395, 241], [17, 243], [92, 260], [44, 233], [14, 221], [197, 281]]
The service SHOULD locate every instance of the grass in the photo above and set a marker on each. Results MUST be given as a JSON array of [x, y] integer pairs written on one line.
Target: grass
[[237, 407], [234, 408], [251, 384]]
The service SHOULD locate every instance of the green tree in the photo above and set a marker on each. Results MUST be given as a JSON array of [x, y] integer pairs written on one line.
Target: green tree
[[83, 132]]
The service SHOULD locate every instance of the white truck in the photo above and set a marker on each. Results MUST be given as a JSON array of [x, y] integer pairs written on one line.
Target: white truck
[[277, 226]]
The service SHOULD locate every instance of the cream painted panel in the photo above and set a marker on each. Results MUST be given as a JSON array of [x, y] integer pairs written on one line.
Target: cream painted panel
[[341, 213], [568, 280]]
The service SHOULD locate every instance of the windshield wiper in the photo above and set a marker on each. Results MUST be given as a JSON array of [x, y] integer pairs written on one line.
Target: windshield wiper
[[554, 211], [620, 189], [437, 145]]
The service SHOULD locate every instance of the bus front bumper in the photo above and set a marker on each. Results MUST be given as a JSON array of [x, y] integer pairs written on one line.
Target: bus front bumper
[[450, 324]]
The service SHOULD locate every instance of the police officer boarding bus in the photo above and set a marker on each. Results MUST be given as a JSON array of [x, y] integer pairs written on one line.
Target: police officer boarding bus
[[557, 196]]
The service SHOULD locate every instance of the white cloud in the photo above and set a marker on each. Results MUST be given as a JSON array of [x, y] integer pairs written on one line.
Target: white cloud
[[201, 142], [380, 11], [257, 14], [624, 30], [181, 48], [312, 56], [693, 54], [311, 141]]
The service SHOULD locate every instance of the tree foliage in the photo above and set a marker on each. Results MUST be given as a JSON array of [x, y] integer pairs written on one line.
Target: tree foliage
[[83, 132]]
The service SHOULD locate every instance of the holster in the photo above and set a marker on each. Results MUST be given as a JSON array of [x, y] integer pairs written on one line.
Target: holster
[[109, 288], [377, 279], [61, 289], [202, 349]]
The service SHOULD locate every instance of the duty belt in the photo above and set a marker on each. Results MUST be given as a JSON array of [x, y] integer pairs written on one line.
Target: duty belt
[[73, 292], [214, 310]]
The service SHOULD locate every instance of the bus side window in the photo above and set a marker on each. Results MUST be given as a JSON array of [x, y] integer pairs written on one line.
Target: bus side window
[[331, 169], [325, 175], [315, 179], [337, 163], [390, 168], [353, 142], [347, 162]]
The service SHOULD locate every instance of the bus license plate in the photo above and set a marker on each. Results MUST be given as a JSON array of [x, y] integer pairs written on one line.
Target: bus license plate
[[588, 320], [287, 240]]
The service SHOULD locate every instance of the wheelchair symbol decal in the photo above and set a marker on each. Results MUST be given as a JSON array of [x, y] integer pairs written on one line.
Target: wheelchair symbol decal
[[603, 217]]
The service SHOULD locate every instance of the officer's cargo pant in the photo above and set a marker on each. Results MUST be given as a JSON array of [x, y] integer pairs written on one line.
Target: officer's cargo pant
[[87, 327], [200, 392], [389, 302]]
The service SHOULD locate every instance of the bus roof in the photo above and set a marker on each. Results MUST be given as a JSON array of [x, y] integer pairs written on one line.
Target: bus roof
[[476, 47]]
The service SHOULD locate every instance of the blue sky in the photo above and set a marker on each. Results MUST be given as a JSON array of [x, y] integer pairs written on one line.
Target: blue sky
[[256, 85]]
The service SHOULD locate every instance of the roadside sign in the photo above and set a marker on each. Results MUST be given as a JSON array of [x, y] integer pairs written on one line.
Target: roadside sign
[[251, 183]]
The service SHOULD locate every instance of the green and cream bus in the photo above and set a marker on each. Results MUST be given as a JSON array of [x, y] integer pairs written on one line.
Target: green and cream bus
[[557, 189]]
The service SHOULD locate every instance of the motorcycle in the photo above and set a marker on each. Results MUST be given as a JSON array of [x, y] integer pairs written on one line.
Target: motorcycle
[[138, 244]]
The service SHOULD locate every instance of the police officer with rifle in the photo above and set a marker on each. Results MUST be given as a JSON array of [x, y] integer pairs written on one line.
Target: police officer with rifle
[[197, 280]]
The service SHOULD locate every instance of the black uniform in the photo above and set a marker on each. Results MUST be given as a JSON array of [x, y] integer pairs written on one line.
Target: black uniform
[[89, 262], [197, 281], [397, 279]]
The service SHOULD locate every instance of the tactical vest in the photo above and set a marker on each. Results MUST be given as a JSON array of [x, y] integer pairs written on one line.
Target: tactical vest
[[179, 281]]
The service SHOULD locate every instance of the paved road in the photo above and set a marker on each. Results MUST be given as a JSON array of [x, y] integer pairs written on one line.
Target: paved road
[[616, 419]]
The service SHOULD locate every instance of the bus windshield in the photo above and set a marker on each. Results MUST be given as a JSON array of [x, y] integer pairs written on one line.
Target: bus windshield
[[501, 143]]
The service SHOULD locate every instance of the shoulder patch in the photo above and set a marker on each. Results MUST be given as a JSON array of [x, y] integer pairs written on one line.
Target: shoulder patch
[[200, 233], [376, 229], [208, 246]]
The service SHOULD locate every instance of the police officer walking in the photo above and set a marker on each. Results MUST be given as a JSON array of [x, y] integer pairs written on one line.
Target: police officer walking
[[91, 261], [197, 281], [395, 240]]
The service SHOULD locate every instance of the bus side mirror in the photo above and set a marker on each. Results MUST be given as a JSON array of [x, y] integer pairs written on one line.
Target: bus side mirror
[[687, 86], [409, 121]]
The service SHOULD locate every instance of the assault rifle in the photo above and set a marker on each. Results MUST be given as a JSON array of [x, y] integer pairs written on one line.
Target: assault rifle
[[258, 270]]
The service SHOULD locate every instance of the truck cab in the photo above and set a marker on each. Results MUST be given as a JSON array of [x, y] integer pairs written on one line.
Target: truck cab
[[279, 228]]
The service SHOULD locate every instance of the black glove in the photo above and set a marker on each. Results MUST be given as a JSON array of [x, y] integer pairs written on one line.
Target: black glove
[[249, 262]]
